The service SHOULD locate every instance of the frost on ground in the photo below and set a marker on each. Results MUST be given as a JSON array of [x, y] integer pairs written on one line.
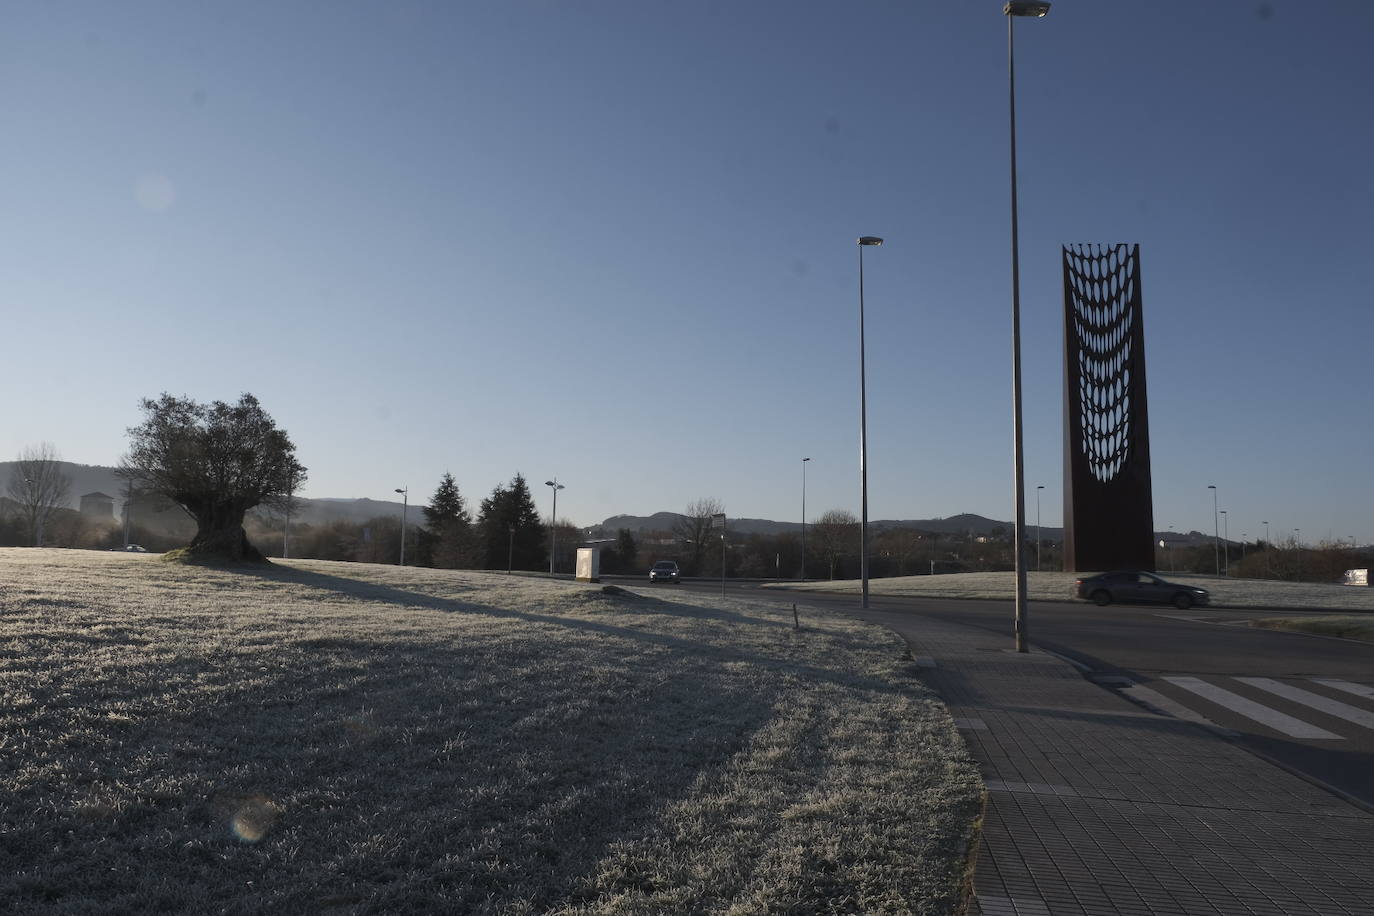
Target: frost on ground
[[1058, 586], [339, 738], [1351, 627]]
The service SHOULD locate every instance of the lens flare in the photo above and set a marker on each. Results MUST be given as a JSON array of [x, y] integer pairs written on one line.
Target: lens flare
[[253, 817]]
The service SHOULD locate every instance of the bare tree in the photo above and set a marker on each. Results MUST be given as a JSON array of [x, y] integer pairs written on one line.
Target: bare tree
[[40, 488], [693, 527], [834, 534]]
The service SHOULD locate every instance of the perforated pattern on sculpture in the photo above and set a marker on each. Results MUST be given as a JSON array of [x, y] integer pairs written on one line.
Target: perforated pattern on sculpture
[[1105, 310]]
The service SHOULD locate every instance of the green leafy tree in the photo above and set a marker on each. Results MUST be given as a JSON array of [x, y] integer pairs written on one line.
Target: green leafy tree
[[510, 528], [447, 540], [216, 461]]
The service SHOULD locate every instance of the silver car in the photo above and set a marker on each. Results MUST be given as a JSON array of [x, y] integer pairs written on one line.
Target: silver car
[[665, 571]]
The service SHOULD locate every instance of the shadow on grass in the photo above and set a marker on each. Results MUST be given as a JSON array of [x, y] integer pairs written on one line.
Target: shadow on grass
[[630, 602], [404, 780]]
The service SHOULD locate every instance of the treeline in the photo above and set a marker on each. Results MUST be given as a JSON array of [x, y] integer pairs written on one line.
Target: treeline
[[831, 549], [1285, 561]]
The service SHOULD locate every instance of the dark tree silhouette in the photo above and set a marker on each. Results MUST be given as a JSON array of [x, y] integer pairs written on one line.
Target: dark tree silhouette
[[216, 461], [511, 530], [447, 542]]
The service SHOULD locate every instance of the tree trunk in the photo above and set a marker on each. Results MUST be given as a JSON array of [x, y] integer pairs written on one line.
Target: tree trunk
[[220, 536]]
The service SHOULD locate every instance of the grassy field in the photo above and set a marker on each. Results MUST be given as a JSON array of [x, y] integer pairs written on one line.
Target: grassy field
[[1345, 627], [1058, 586], [342, 738]]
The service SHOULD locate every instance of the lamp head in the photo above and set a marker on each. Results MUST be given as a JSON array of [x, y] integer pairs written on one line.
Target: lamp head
[[399, 490], [1029, 8], [870, 240]]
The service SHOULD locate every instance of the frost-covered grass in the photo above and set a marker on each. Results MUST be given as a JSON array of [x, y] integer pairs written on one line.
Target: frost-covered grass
[[1345, 627], [1058, 586], [341, 738]]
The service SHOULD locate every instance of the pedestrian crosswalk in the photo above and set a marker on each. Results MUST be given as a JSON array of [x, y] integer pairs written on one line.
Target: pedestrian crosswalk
[[1310, 709]]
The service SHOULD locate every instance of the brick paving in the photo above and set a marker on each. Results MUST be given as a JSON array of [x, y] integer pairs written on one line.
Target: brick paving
[[1096, 806]]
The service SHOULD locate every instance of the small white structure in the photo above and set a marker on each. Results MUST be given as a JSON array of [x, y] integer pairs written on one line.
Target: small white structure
[[589, 564], [1356, 577]]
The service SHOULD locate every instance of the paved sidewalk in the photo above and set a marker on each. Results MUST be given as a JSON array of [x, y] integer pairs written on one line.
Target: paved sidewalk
[[1097, 806]]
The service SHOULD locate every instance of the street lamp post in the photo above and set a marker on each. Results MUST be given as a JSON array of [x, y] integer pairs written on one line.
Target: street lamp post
[[864, 242], [405, 506], [128, 511], [1037, 526], [721, 516], [1014, 10], [1268, 548], [553, 523], [803, 539], [1216, 527], [1226, 544]]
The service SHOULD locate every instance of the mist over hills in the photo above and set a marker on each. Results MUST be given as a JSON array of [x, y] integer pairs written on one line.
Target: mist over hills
[[95, 478], [966, 523], [92, 478]]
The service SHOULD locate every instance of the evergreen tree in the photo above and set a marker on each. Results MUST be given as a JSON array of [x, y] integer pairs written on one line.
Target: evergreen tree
[[447, 543], [511, 530], [626, 549]]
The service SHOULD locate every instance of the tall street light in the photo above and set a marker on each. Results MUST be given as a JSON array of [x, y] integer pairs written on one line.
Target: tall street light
[[1226, 544], [405, 505], [1037, 526], [1216, 527], [1013, 11], [553, 525], [803, 544], [864, 242], [721, 516]]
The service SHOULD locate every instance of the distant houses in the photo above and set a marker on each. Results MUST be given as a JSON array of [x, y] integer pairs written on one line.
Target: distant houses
[[100, 505]]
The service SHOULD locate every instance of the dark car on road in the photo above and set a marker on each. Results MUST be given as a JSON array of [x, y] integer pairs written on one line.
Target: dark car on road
[[1138, 587], [664, 571]]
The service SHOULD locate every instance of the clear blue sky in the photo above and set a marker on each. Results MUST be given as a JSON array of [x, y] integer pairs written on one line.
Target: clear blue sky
[[614, 242]]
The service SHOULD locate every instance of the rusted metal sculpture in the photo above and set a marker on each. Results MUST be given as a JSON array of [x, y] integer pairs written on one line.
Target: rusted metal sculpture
[[1108, 512]]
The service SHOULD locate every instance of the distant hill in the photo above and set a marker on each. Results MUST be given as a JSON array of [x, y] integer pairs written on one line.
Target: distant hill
[[958, 524], [92, 478]]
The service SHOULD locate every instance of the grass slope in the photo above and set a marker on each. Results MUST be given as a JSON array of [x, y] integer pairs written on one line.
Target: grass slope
[[341, 738], [1344, 627]]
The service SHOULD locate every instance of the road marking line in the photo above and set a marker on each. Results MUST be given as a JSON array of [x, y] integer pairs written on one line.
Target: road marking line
[[1315, 700], [1272, 718], [1360, 690], [1156, 700]]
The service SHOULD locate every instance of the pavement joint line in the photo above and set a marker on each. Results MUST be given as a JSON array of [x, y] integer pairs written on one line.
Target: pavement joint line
[[971, 723], [1012, 906], [1032, 788]]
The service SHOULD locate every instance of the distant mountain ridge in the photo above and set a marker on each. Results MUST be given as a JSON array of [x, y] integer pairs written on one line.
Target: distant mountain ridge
[[95, 478], [956, 524], [92, 478]]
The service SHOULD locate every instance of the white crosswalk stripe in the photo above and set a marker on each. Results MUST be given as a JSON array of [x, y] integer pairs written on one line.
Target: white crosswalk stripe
[[1271, 718], [1315, 700], [1360, 690]]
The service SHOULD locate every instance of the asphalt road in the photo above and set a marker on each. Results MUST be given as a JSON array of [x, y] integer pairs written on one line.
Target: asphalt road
[[1303, 702]]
